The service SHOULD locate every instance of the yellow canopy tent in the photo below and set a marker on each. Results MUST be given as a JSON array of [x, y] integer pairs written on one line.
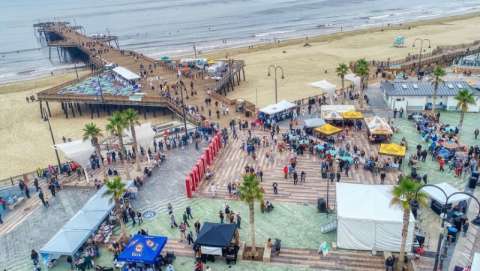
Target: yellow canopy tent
[[392, 149], [327, 129], [352, 115]]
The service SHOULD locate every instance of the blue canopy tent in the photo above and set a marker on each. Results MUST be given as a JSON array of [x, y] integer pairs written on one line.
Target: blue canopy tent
[[143, 249]]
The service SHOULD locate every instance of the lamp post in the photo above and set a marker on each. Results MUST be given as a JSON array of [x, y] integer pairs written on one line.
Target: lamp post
[[183, 108], [275, 68], [421, 41], [476, 221], [47, 119]]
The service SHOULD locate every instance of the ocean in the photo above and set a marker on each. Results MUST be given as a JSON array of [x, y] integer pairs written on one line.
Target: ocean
[[158, 28]]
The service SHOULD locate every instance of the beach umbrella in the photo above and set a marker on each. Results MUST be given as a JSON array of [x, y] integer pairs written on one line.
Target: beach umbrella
[[348, 159], [332, 152], [319, 147], [392, 149]]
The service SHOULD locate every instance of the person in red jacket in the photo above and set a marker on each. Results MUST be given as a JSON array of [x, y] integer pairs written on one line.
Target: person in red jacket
[[285, 172]]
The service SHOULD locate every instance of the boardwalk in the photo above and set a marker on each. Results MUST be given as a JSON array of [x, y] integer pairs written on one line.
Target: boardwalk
[[100, 53]]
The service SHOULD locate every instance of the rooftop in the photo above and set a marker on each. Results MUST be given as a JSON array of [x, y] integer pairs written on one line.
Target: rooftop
[[425, 88]]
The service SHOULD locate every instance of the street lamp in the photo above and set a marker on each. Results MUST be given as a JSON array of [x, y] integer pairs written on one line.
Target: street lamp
[[47, 119], [183, 110], [421, 51], [275, 69], [476, 221]]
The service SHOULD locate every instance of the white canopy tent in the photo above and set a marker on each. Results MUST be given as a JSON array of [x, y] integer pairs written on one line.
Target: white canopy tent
[[313, 122], [354, 79], [86, 220], [324, 85], [64, 243], [437, 195], [126, 73], [278, 107], [144, 134], [366, 221], [332, 112], [78, 151], [476, 262]]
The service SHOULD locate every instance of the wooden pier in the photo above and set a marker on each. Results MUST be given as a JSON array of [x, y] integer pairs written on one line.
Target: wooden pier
[[100, 50]]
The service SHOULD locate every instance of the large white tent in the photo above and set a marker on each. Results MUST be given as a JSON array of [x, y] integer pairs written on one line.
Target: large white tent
[[437, 195], [333, 111], [64, 243], [126, 74], [313, 122], [278, 107], [324, 85], [78, 151], [366, 221], [144, 134], [354, 79], [476, 262]]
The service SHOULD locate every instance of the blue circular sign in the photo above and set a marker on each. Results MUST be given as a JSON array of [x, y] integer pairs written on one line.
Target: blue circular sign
[[149, 215]]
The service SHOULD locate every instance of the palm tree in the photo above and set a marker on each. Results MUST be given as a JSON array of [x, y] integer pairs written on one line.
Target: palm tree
[[362, 71], [92, 132], [342, 70], [131, 116], [464, 97], [438, 73], [116, 125], [115, 191], [403, 194], [249, 192]]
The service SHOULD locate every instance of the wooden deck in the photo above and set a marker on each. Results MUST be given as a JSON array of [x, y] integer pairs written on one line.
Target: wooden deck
[[99, 52]]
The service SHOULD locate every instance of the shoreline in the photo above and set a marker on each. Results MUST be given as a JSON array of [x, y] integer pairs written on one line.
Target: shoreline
[[221, 53]]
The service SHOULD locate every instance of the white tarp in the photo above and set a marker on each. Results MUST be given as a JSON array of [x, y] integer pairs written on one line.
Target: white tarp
[[476, 262], [126, 73], [86, 220], [144, 134], [211, 250], [332, 112], [366, 221], [78, 151], [436, 194], [277, 108], [354, 79], [313, 122], [324, 85]]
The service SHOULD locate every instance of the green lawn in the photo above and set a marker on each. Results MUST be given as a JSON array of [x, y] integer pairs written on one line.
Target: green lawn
[[408, 130], [297, 225]]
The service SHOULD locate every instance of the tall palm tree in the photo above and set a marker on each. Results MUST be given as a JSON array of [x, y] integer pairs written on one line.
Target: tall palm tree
[[438, 73], [115, 191], [92, 132], [402, 195], [249, 192], [131, 116], [362, 71], [342, 70], [464, 97], [116, 125]]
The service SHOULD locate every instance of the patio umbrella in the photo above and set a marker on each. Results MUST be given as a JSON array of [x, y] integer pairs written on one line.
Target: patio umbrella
[[352, 115], [328, 129], [392, 149]]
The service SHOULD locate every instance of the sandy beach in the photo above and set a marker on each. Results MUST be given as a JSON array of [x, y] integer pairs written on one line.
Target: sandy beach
[[26, 142], [303, 65]]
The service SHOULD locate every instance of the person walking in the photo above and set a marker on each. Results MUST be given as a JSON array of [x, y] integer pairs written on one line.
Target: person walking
[[239, 220], [190, 238], [295, 177], [1, 220], [173, 223], [197, 225], [303, 176], [383, 175], [36, 184], [465, 227], [51, 187], [221, 216], [285, 171], [332, 177], [139, 218], [476, 132], [339, 176], [34, 257], [275, 188], [185, 219], [41, 196], [183, 229], [188, 210]]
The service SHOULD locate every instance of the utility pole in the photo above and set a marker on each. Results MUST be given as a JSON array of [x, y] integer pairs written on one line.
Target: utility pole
[[47, 119]]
